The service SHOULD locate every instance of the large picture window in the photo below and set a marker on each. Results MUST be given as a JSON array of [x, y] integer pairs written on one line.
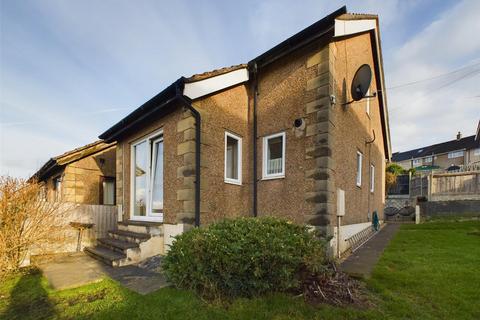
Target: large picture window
[[147, 178], [274, 156], [233, 158]]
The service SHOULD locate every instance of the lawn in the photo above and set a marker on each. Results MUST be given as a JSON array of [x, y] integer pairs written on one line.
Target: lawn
[[429, 271]]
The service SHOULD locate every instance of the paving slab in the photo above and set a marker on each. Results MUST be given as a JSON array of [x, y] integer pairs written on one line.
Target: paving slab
[[72, 270], [360, 264], [78, 269]]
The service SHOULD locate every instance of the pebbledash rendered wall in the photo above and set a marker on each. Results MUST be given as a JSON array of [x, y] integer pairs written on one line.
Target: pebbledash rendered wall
[[320, 156]]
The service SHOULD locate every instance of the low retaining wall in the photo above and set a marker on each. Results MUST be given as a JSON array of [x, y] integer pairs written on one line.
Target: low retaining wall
[[457, 208]]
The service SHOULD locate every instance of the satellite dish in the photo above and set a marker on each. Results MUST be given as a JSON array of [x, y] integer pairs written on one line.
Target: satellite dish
[[361, 82]]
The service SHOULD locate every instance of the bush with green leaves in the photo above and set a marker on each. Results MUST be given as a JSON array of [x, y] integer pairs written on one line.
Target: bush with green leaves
[[244, 257]]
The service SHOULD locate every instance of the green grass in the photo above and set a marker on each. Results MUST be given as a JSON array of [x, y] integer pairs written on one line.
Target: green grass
[[429, 271]]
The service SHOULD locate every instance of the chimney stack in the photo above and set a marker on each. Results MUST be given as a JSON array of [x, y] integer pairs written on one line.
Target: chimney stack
[[459, 135]]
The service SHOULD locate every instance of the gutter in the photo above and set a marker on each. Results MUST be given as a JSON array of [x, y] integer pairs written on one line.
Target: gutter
[[255, 134], [198, 121]]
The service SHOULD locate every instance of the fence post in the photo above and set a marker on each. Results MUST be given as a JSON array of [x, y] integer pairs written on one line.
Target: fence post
[[430, 185], [417, 214]]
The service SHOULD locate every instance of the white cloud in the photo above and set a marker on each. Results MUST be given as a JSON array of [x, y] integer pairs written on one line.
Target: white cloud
[[433, 111], [71, 69]]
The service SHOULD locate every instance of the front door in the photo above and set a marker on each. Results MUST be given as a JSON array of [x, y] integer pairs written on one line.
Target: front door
[[147, 179]]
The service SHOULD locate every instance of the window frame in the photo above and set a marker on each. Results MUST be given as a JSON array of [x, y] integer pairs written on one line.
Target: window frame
[[57, 191], [105, 179], [239, 159], [149, 139], [476, 152], [358, 178], [372, 178], [265, 175], [428, 159], [416, 162]]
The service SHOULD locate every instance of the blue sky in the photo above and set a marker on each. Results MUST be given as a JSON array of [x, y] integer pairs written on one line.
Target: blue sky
[[70, 69]]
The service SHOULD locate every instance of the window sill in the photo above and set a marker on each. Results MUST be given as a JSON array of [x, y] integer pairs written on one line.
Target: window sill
[[237, 183], [273, 177]]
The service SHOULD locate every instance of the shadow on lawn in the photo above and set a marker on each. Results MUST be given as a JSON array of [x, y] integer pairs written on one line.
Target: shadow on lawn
[[29, 300]]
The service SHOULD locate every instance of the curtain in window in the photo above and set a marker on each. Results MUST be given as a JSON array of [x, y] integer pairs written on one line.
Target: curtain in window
[[274, 155], [108, 192]]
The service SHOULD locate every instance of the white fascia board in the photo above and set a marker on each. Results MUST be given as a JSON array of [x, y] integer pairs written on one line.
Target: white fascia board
[[347, 27], [205, 87]]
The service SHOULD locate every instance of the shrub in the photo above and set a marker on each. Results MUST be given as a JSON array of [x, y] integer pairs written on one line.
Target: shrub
[[244, 257], [26, 221], [395, 169]]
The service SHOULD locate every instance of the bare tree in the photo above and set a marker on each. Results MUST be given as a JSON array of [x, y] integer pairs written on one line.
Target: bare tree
[[27, 221]]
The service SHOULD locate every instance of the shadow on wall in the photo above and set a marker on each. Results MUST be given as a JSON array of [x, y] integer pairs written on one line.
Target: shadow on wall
[[29, 300]]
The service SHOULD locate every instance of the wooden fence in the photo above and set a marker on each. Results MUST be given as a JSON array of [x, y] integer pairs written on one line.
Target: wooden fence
[[66, 239]]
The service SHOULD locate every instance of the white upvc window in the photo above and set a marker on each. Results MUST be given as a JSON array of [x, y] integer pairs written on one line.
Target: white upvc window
[[233, 158], [455, 154], [146, 182], [274, 156], [417, 162], [476, 152], [428, 159], [372, 178], [359, 168]]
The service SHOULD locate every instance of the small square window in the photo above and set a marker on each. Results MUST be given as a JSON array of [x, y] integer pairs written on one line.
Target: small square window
[[428, 159], [233, 158], [274, 156], [359, 168], [417, 162], [476, 152]]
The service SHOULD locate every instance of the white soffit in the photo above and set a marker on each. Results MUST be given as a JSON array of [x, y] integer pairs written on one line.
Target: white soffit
[[346, 27], [204, 87]]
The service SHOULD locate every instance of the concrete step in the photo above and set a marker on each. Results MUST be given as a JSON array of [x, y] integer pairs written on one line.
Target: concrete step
[[117, 245], [109, 257], [128, 236], [152, 228]]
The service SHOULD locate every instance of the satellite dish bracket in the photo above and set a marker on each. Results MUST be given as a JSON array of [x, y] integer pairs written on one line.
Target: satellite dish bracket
[[352, 101]]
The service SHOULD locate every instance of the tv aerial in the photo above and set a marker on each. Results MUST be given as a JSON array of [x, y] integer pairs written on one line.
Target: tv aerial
[[361, 83]]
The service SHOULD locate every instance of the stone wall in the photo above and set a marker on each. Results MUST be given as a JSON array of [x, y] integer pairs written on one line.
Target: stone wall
[[456, 208], [320, 137]]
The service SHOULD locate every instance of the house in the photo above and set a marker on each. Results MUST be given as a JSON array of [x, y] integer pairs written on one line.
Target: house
[[85, 175], [276, 136], [459, 152]]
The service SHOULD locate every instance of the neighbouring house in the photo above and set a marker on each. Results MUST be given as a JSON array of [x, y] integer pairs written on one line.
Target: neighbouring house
[[457, 153], [85, 175], [83, 182], [277, 136]]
